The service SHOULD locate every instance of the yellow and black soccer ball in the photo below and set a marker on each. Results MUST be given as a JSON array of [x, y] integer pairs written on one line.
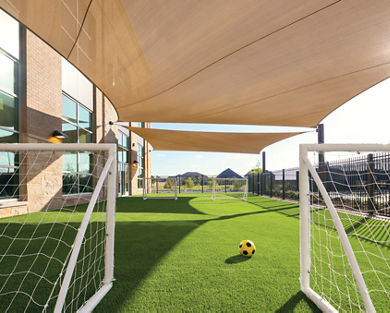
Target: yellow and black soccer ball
[[247, 248]]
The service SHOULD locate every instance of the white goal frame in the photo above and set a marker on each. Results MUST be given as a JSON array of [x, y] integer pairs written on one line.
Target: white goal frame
[[304, 205], [109, 173], [147, 186], [245, 192]]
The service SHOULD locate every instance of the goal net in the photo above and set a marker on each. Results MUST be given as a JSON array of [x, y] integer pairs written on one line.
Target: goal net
[[229, 189], [160, 188], [345, 226], [57, 210]]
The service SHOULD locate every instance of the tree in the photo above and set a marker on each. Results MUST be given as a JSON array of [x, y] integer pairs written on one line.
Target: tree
[[236, 184], [168, 184], [257, 169], [189, 183], [211, 182]]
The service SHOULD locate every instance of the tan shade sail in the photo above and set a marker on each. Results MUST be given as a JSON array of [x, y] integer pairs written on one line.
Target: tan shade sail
[[174, 140], [223, 61]]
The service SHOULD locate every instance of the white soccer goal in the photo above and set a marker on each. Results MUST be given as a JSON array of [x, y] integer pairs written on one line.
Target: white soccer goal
[[57, 219], [163, 188], [345, 226], [229, 189]]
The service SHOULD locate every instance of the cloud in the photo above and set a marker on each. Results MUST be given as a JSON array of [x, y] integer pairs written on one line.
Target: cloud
[[199, 156]]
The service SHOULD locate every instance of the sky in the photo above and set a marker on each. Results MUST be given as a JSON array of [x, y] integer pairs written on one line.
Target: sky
[[363, 119]]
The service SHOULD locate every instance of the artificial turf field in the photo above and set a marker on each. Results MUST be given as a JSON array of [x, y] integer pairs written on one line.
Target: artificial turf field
[[182, 256]]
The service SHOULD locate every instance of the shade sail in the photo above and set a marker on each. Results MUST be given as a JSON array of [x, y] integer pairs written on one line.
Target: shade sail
[[233, 62], [174, 140]]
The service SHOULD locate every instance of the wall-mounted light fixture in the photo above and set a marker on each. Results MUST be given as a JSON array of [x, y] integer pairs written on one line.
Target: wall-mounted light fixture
[[133, 144], [134, 165], [57, 136]]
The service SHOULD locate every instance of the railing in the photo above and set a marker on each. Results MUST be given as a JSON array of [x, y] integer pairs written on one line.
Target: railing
[[361, 182]]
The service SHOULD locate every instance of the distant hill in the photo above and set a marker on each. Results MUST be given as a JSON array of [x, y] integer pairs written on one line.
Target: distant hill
[[228, 173]]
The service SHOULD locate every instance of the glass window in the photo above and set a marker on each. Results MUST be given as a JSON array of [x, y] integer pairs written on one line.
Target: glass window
[[84, 136], [71, 131], [69, 162], [9, 34], [76, 84], [77, 167], [140, 165], [69, 109], [123, 164], [7, 74], [8, 112], [85, 162], [85, 118], [7, 136]]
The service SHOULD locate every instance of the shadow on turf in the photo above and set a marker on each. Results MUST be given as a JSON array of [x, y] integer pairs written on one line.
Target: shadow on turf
[[137, 204], [236, 259], [293, 302]]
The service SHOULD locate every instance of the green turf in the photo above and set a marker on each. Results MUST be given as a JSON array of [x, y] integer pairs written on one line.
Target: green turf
[[174, 256], [182, 255]]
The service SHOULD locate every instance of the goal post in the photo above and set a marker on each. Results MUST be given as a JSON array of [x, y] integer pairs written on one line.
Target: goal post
[[229, 189], [345, 226], [160, 188], [57, 224]]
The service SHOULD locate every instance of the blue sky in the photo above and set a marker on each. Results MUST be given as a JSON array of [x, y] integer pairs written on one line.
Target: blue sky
[[363, 119]]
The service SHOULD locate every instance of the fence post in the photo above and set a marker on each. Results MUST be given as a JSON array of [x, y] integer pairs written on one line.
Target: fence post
[[202, 183], [284, 185], [258, 184], [271, 184], [225, 185], [297, 179], [262, 183], [370, 183], [179, 183], [157, 184]]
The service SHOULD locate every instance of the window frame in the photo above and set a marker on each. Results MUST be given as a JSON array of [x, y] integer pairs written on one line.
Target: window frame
[[76, 124]]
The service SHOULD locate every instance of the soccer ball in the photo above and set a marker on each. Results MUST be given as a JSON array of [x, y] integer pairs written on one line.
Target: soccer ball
[[247, 248]]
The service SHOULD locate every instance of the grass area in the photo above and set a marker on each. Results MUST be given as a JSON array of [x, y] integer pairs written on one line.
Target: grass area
[[182, 255], [174, 256]]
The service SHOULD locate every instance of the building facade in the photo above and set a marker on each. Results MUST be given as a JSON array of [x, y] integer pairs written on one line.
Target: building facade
[[41, 92]]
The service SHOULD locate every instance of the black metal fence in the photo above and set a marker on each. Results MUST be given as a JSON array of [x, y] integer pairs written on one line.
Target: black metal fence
[[358, 184], [197, 184]]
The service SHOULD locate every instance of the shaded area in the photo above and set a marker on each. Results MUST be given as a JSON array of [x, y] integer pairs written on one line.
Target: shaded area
[[236, 259], [139, 246], [32, 262], [181, 205], [293, 302]]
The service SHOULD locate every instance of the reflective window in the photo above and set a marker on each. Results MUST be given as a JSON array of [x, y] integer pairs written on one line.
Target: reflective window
[[76, 84], [140, 165], [69, 109], [85, 118], [84, 136], [85, 162], [71, 131], [9, 34], [69, 162], [9, 55], [7, 74], [123, 164], [77, 167], [8, 112], [7, 136]]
